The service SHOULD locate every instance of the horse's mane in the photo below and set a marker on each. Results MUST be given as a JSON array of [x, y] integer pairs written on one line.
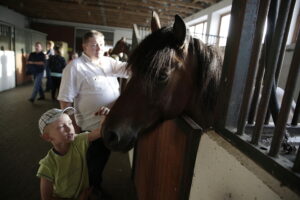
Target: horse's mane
[[152, 55], [210, 61], [157, 51]]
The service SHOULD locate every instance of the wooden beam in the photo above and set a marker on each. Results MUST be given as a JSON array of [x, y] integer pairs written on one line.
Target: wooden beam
[[205, 1], [179, 4], [137, 11]]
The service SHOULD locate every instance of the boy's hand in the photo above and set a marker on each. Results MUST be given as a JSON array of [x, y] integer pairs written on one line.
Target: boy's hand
[[84, 195], [102, 111]]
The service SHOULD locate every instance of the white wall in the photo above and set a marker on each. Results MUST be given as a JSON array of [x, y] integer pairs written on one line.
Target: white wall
[[7, 70], [212, 14], [293, 22], [223, 172], [118, 32], [11, 17]]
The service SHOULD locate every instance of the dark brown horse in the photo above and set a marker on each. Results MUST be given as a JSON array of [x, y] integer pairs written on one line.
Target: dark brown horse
[[121, 47], [172, 74]]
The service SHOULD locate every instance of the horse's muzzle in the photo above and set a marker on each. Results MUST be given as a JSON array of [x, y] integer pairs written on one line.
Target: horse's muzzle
[[117, 141]]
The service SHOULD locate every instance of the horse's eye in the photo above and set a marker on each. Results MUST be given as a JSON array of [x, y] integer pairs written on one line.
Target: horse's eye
[[162, 77]]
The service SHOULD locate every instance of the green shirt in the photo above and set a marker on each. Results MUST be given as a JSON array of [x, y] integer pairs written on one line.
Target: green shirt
[[69, 172]]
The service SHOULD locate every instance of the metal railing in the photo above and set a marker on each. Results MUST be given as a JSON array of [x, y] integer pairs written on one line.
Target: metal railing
[[248, 89]]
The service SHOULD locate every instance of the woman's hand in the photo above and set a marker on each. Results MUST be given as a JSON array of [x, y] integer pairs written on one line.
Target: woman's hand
[[102, 111]]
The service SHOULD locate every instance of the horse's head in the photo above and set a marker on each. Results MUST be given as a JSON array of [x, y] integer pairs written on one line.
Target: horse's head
[[121, 47], [164, 77]]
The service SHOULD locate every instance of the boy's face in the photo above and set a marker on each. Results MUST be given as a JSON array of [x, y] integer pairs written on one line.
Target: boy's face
[[94, 47], [61, 131]]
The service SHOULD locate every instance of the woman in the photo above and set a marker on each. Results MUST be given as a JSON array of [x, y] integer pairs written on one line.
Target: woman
[[56, 65]]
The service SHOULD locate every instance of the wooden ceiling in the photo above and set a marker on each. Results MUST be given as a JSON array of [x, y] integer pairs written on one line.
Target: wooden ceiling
[[116, 13]]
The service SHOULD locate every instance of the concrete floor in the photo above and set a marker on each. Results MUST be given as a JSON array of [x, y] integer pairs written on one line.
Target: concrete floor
[[21, 148]]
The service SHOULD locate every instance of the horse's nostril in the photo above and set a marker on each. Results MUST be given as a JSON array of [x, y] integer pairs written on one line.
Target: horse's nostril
[[112, 138]]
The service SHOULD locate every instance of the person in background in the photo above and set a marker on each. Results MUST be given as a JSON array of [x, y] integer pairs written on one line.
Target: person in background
[[63, 171], [73, 56], [50, 48], [38, 60], [49, 53], [56, 64], [89, 83]]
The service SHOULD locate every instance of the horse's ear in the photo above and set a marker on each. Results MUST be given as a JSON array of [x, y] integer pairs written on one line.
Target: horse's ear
[[155, 22], [179, 30]]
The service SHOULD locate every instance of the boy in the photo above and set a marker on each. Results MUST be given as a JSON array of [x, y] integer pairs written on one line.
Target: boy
[[63, 172]]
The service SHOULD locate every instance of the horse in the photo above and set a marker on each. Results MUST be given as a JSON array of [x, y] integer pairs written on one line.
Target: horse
[[172, 73], [121, 47]]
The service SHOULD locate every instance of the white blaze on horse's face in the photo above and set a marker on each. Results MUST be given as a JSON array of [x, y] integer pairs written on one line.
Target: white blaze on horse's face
[[94, 47]]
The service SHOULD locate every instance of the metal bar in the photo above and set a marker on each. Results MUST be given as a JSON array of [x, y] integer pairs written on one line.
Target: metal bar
[[287, 100], [296, 112], [271, 23], [258, 82], [248, 92], [236, 62], [270, 69], [273, 104], [272, 17]]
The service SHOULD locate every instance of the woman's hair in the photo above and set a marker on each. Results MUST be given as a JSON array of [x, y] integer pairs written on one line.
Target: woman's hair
[[57, 50], [50, 43], [91, 33]]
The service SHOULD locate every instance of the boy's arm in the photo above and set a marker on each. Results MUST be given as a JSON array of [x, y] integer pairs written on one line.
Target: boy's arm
[[46, 188], [95, 134]]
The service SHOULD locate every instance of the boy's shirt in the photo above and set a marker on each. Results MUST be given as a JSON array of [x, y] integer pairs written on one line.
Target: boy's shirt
[[68, 173]]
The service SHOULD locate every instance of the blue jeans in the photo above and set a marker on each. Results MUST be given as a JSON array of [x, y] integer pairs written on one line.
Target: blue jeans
[[37, 87]]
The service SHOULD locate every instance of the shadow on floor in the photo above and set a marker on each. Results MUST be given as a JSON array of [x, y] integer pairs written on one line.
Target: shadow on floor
[[21, 148]]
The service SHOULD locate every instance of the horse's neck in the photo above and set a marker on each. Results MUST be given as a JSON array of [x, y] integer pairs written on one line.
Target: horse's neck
[[200, 113], [208, 67]]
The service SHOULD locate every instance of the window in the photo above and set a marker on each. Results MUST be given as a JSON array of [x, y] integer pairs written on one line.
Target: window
[[199, 30], [223, 29], [6, 37]]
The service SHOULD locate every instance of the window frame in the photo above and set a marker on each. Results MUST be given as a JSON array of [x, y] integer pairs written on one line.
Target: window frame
[[203, 35], [219, 27]]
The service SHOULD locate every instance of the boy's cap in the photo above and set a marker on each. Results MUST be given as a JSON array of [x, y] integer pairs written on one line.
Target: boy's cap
[[52, 115]]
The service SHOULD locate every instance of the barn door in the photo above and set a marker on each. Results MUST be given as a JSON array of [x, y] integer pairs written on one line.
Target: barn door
[[164, 160]]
